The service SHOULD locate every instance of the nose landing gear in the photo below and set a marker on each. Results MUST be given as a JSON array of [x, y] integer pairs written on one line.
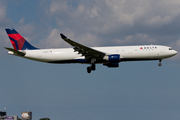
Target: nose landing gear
[[160, 64]]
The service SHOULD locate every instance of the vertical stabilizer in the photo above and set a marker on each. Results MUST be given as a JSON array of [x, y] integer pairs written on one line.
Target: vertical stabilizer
[[18, 42]]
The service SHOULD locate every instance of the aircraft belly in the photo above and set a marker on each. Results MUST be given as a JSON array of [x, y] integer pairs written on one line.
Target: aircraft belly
[[140, 55], [52, 57]]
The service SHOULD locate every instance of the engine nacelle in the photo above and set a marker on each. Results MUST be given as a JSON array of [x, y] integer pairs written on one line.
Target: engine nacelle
[[111, 64], [112, 58]]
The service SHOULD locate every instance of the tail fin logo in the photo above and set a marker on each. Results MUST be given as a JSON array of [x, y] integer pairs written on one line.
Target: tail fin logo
[[18, 42]]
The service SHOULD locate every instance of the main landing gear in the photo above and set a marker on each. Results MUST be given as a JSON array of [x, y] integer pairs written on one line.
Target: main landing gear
[[160, 64], [93, 66], [90, 68]]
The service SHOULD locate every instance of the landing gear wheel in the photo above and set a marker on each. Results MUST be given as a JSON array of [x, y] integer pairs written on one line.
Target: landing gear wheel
[[160, 64], [89, 69], [93, 67]]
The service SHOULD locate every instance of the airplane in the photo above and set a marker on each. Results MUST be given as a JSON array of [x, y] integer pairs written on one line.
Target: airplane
[[108, 56]]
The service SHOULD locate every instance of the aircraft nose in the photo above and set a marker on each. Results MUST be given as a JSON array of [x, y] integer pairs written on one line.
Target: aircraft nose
[[174, 52]]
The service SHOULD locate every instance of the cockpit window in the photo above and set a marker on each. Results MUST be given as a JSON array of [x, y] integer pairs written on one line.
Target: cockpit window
[[170, 48]]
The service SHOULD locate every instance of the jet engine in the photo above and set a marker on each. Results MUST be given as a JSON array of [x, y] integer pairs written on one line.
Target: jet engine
[[112, 58], [111, 64]]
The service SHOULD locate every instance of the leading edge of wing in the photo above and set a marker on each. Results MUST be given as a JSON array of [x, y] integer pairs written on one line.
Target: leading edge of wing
[[85, 51]]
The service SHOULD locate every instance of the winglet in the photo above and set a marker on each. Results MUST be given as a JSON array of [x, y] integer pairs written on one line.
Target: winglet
[[63, 36]]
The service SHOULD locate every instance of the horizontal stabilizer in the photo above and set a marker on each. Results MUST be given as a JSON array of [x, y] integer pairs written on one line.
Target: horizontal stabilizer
[[16, 52]]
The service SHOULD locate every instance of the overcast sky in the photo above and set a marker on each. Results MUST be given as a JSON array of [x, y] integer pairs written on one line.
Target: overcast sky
[[134, 91]]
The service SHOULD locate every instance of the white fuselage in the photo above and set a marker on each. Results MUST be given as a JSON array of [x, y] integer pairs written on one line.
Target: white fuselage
[[127, 53]]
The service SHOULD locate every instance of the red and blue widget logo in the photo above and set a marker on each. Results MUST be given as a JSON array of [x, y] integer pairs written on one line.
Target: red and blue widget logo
[[18, 42]]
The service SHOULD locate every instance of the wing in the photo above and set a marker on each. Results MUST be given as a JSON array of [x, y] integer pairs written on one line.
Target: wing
[[88, 52]]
